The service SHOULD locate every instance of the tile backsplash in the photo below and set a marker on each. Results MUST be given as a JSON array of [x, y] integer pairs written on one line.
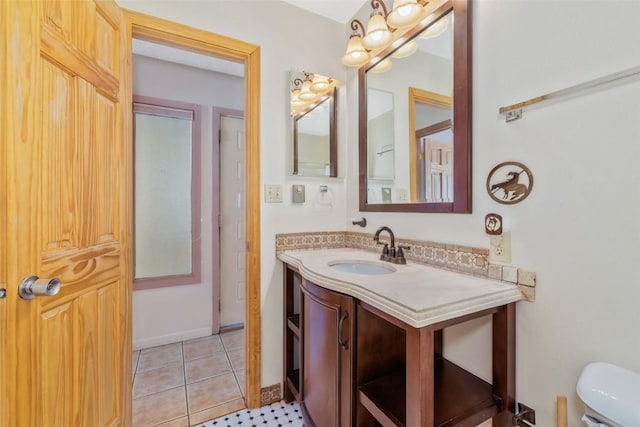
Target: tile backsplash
[[463, 259]]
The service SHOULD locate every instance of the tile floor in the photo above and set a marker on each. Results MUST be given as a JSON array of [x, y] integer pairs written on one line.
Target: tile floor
[[190, 382], [279, 414], [200, 383], [274, 415]]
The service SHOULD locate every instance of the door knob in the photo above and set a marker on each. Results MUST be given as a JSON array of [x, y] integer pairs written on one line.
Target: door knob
[[33, 286]]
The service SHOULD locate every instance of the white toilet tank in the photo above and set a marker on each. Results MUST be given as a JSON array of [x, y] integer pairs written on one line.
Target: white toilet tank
[[611, 395]]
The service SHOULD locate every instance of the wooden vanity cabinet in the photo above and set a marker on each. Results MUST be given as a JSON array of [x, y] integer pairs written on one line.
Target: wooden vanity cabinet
[[292, 382], [426, 390], [319, 353], [351, 364], [328, 331]]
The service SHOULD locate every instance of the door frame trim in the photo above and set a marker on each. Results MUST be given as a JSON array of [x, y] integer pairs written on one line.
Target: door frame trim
[[155, 29]]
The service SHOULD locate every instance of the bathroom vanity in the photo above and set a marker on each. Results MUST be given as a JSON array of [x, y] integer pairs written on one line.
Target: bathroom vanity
[[364, 346]]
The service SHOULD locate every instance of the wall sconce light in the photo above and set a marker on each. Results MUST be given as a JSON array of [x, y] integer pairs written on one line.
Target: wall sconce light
[[309, 91], [382, 66], [305, 91], [437, 28], [320, 84], [356, 54], [407, 49], [405, 13], [378, 34]]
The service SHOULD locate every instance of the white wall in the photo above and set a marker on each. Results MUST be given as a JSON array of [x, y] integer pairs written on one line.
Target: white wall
[[177, 313], [290, 38], [579, 228]]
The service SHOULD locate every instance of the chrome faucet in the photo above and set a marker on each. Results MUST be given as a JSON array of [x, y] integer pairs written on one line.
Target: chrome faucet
[[389, 251]]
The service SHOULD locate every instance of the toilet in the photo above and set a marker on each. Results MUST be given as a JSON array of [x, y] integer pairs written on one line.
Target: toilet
[[611, 396]]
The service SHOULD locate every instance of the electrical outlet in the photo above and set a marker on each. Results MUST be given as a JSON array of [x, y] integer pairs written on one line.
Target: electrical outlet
[[500, 248], [402, 194], [272, 193]]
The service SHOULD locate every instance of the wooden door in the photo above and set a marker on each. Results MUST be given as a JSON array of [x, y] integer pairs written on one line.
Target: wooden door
[[232, 221], [327, 366], [66, 164]]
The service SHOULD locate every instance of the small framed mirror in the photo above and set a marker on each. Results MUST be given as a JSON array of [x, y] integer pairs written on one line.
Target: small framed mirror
[[313, 122], [415, 117]]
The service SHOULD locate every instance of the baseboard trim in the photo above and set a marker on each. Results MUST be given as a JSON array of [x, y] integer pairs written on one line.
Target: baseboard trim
[[142, 343], [270, 394], [231, 328]]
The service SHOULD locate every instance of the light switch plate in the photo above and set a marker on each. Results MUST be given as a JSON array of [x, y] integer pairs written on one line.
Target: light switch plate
[[297, 193], [272, 193]]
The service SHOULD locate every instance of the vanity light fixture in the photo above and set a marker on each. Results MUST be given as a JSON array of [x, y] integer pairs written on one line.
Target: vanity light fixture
[[382, 66], [380, 29], [405, 13], [320, 83], [308, 91], [378, 34], [356, 54], [407, 49], [305, 91], [435, 29]]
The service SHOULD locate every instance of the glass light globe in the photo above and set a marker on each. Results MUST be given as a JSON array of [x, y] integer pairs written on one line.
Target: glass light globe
[[405, 13], [378, 34], [356, 54]]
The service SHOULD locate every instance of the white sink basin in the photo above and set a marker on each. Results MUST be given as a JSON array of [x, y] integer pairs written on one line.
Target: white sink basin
[[361, 267]]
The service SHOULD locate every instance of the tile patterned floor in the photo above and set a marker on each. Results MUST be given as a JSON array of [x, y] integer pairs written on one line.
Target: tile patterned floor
[[190, 382], [275, 415], [279, 414], [200, 383]]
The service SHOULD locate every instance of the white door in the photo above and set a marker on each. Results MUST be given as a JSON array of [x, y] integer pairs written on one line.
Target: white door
[[232, 220]]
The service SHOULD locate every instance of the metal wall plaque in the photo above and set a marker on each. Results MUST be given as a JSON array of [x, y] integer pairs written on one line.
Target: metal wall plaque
[[509, 183]]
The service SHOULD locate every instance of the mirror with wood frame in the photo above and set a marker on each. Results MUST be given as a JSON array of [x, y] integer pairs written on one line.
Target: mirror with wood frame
[[313, 118], [415, 118]]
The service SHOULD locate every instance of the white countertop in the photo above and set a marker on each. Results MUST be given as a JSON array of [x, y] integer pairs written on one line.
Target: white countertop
[[417, 294]]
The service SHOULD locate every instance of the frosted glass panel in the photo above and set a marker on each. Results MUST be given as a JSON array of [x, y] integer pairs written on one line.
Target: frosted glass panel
[[163, 170]]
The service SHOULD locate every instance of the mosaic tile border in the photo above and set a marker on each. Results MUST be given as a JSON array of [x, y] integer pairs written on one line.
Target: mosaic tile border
[[270, 394], [462, 259]]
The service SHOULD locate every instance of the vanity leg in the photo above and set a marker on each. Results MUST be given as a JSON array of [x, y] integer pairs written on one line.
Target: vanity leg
[[438, 344], [504, 357], [420, 377]]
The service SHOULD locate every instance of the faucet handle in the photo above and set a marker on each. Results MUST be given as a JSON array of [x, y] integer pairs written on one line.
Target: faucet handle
[[400, 259], [384, 255]]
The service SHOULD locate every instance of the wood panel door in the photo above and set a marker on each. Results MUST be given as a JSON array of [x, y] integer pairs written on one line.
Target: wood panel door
[[66, 163]]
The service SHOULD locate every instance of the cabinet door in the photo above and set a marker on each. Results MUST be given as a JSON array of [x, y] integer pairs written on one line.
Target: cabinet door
[[328, 357]]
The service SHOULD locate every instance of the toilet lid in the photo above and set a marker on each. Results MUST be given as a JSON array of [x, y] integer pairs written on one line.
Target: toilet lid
[[611, 391]]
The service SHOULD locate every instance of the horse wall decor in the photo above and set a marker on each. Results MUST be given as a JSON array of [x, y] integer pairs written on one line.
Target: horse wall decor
[[509, 183]]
